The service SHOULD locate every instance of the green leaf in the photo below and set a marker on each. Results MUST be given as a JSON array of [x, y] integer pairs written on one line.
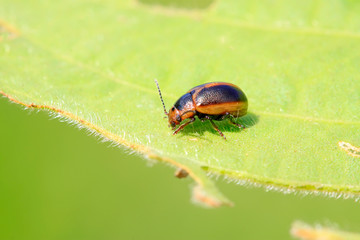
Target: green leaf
[[95, 62]]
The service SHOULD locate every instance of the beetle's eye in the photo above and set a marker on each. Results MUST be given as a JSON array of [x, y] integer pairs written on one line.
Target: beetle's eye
[[178, 118]]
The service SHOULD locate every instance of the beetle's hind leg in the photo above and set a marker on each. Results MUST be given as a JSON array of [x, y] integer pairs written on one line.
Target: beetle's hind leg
[[232, 120], [183, 125], [215, 127]]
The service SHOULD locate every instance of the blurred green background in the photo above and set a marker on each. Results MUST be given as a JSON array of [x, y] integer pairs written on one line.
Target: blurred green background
[[57, 182]]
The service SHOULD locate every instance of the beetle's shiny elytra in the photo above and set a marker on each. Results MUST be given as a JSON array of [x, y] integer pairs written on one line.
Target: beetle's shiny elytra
[[209, 101]]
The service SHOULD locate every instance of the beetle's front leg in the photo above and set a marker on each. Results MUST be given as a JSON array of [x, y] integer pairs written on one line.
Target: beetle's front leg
[[183, 125]]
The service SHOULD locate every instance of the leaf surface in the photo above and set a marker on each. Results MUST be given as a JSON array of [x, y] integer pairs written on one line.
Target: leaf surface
[[95, 61]]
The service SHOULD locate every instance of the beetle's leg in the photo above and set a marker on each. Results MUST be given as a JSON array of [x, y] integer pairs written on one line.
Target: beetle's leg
[[216, 127], [233, 122], [183, 125], [225, 116], [231, 118]]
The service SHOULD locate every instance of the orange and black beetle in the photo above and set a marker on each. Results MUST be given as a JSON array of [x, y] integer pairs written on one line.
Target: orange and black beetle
[[209, 101]]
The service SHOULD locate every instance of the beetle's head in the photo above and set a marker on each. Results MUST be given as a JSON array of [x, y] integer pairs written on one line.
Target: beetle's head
[[174, 117]]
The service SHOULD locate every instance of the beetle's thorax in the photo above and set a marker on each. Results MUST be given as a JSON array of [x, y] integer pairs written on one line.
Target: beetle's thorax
[[184, 108]]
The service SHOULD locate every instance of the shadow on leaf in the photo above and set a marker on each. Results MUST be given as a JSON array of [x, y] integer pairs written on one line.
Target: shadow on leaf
[[198, 128]]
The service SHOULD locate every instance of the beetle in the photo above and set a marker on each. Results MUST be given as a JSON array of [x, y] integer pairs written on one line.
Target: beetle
[[210, 101]]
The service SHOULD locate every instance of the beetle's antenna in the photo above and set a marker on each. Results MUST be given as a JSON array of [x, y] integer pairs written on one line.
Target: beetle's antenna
[[157, 84]]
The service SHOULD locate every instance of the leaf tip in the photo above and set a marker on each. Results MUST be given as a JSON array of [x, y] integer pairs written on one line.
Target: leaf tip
[[201, 197]]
